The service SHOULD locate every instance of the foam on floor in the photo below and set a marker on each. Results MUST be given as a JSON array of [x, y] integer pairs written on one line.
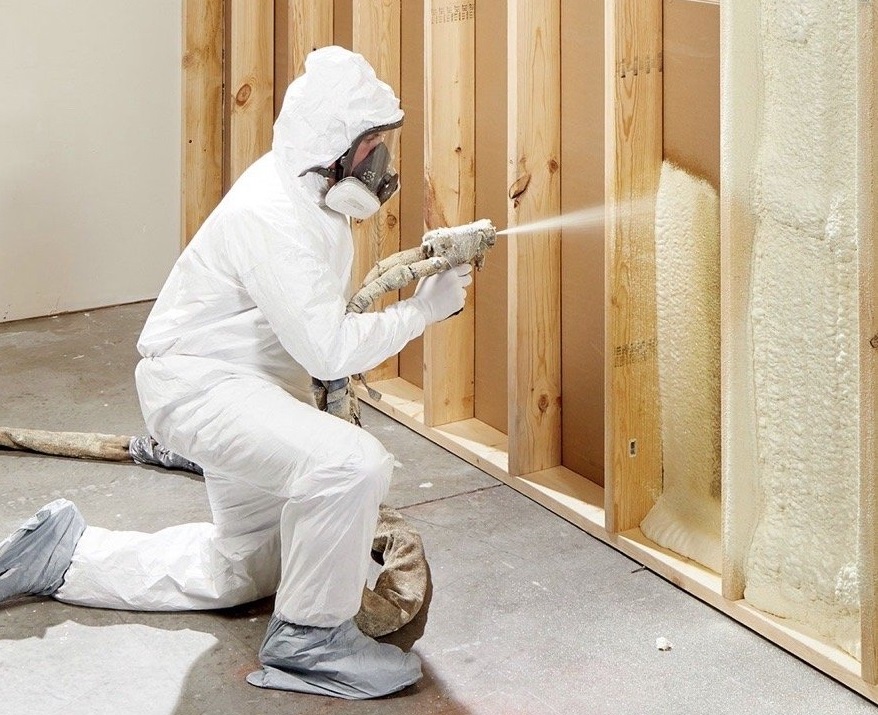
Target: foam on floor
[[802, 561], [686, 517]]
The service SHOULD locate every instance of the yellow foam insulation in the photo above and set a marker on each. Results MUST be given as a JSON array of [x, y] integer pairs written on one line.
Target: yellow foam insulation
[[686, 517], [802, 560]]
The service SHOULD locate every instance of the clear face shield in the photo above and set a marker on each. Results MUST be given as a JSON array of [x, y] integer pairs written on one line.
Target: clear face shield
[[365, 176]]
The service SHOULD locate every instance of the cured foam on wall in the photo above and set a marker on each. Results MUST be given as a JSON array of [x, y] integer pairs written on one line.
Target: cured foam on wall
[[802, 560], [686, 517]]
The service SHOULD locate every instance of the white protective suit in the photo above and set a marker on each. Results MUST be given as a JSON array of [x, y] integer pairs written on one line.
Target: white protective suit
[[255, 306]]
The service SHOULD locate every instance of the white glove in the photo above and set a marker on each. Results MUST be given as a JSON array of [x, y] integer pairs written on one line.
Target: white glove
[[443, 294]]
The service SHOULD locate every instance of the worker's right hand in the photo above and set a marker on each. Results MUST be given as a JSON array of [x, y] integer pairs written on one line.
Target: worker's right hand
[[442, 295]]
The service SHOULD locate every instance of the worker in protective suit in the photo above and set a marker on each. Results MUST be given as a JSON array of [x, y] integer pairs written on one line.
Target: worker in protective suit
[[253, 308]]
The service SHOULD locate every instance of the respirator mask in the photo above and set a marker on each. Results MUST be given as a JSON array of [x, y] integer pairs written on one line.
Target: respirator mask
[[364, 177]]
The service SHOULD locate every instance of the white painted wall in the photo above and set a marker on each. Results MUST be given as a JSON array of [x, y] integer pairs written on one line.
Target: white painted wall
[[90, 131]]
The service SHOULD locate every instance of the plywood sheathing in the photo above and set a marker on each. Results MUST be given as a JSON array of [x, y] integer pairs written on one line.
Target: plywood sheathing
[[411, 359], [582, 248], [690, 94], [490, 298], [342, 21]]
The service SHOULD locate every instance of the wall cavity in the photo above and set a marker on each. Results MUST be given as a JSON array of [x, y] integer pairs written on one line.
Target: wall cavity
[[802, 561], [686, 517]]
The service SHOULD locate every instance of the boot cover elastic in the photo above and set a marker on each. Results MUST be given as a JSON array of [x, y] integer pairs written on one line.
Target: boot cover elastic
[[341, 662], [34, 559]]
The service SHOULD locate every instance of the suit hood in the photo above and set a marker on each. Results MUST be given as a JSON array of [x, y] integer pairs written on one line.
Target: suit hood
[[337, 98]]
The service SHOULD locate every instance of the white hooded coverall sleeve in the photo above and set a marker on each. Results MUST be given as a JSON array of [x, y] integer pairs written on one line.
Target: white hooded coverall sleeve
[[303, 300]]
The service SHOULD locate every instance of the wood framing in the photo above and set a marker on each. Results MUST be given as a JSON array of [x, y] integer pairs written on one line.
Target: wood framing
[[202, 170], [633, 164], [376, 36], [250, 84], [310, 26], [741, 68], [299, 27], [534, 41], [867, 149], [449, 166]]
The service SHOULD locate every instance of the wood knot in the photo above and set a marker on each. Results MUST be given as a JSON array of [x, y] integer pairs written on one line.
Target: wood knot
[[392, 220], [188, 59], [543, 403], [553, 166], [243, 94], [519, 186]]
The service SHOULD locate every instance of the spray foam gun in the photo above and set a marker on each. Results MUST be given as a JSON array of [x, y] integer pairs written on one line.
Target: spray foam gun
[[440, 249]]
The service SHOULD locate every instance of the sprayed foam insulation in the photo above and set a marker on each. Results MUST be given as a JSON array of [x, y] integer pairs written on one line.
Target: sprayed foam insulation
[[802, 560], [687, 515]]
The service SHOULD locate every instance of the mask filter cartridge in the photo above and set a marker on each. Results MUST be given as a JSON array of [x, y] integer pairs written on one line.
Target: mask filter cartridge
[[352, 197]]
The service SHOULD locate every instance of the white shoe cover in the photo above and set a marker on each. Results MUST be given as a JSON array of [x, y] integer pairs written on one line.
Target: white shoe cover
[[34, 559], [341, 662]]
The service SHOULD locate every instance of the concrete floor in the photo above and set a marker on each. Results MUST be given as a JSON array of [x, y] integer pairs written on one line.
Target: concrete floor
[[527, 614]]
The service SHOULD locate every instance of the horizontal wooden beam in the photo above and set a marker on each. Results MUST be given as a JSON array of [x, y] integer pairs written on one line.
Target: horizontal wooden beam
[[580, 502]]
